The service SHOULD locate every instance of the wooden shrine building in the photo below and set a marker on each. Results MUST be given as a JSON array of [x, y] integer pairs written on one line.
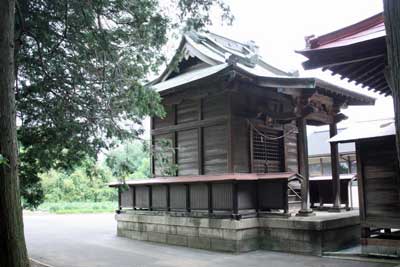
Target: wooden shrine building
[[358, 52], [237, 130], [378, 185]]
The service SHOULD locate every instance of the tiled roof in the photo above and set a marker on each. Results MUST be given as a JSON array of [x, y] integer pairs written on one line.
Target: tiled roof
[[366, 130], [216, 54]]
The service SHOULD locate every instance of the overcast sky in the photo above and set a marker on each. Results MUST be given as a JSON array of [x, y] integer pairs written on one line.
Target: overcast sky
[[279, 26]]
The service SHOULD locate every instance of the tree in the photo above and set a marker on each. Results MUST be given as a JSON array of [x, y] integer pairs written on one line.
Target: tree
[[75, 70], [87, 182], [392, 25], [129, 160], [12, 243], [80, 69]]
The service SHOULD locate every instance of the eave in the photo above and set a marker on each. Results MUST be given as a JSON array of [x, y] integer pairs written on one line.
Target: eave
[[356, 52]]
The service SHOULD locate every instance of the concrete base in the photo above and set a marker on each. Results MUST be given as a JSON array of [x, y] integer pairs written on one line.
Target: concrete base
[[307, 235], [380, 247]]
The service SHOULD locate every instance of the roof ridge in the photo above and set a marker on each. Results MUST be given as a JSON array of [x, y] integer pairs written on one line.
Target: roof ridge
[[345, 31], [226, 38], [260, 60]]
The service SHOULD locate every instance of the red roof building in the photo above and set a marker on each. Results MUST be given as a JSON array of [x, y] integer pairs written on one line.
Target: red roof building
[[356, 52]]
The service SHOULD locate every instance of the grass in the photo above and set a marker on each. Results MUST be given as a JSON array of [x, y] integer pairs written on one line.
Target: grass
[[78, 207]]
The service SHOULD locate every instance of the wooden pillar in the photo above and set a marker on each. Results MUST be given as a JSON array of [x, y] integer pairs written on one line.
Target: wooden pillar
[[150, 197], [119, 198], [235, 201], [168, 188], [335, 169], [188, 205], [134, 197], [350, 168], [210, 199], [303, 168]]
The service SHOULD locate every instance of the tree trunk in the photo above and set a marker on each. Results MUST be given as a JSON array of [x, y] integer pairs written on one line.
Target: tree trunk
[[12, 242], [392, 24]]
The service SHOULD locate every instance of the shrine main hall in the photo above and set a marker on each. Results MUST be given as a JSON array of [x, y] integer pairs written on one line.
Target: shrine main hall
[[230, 160]]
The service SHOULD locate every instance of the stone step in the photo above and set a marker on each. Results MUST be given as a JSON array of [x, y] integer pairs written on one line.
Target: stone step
[[293, 198], [294, 205]]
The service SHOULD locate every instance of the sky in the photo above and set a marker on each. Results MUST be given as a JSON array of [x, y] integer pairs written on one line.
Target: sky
[[279, 26]]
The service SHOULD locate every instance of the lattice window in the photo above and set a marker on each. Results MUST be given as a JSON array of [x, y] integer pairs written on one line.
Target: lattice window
[[268, 151]]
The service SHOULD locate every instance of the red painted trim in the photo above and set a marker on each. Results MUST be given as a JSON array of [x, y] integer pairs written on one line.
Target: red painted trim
[[210, 178], [346, 31]]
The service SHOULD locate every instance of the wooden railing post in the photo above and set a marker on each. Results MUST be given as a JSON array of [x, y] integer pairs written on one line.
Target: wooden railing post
[[168, 197], [119, 198], [257, 200], [188, 208], [150, 197], [235, 201], [134, 197], [210, 198], [285, 197]]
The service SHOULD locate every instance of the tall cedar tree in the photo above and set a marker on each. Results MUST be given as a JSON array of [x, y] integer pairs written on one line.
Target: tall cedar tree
[[12, 243], [392, 25], [80, 69], [71, 70]]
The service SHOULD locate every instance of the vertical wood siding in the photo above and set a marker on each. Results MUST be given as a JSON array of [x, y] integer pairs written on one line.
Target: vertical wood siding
[[240, 145], [246, 195], [187, 111], [215, 149], [187, 153], [178, 197], [215, 106], [159, 197], [290, 142], [222, 196], [198, 196], [127, 197], [142, 197], [213, 156], [270, 194], [381, 181]]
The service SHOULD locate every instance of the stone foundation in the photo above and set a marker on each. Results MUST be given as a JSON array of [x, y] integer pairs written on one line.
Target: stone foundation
[[310, 235], [380, 247]]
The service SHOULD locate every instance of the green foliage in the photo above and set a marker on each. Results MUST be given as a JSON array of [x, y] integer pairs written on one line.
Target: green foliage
[[3, 160], [86, 182], [163, 153], [80, 66], [129, 160], [78, 207]]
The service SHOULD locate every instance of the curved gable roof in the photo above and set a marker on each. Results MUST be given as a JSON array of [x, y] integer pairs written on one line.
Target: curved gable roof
[[219, 55]]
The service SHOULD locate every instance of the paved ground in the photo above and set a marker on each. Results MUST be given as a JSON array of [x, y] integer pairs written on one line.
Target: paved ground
[[90, 240]]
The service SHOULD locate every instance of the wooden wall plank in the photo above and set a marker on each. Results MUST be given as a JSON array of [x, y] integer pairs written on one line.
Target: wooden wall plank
[[187, 154], [127, 197], [380, 178], [290, 143], [222, 196], [215, 149], [187, 111], [240, 145], [214, 106]]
